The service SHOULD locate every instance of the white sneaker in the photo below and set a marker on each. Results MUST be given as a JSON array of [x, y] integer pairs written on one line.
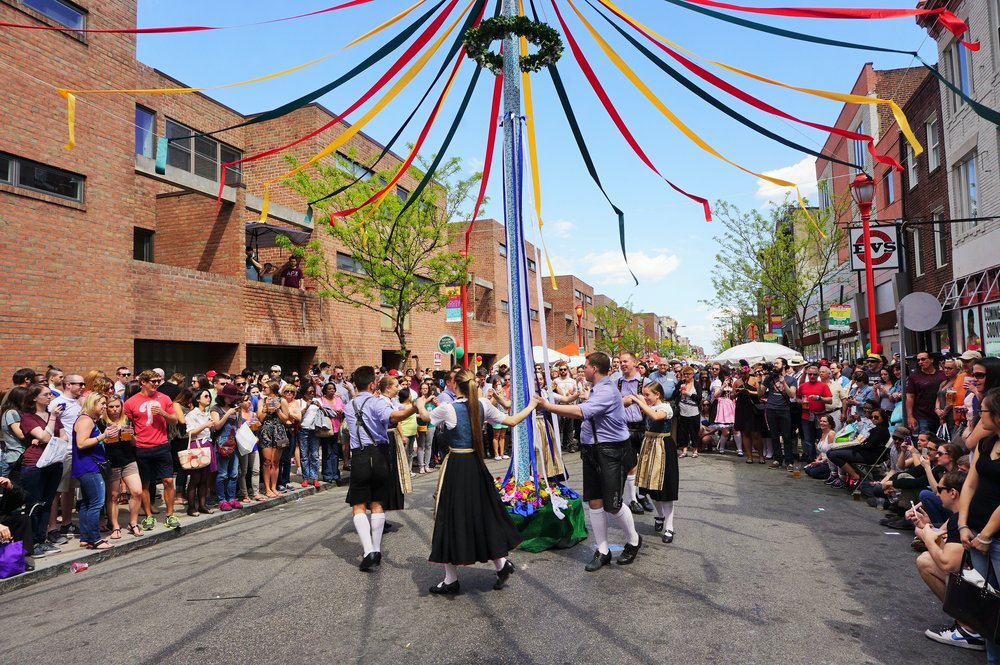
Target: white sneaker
[[955, 636], [497, 457], [506, 457]]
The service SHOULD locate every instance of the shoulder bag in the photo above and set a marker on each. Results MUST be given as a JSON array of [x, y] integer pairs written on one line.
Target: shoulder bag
[[246, 439], [55, 452], [227, 448], [192, 459], [976, 606]]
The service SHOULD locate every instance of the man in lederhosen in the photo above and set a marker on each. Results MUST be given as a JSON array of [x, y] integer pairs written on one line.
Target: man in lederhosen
[[606, 455], [630, 386], [367, 419]]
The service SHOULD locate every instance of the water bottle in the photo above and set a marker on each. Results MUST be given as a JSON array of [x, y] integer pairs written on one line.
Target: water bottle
[[79, 566]]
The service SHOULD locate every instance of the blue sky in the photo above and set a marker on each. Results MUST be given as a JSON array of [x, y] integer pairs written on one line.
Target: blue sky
[[671, 247]]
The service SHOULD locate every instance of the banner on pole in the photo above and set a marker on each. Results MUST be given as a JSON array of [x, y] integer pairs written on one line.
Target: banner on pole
[[840, 316], [453, 309]]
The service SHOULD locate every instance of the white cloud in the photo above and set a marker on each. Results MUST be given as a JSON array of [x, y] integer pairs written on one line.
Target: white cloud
[[561, 265], [474, 164], [560, 228], [802, 174], [609, 267]]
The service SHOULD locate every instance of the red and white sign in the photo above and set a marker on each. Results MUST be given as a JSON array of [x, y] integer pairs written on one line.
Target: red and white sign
[[437, 358], [884, 244]]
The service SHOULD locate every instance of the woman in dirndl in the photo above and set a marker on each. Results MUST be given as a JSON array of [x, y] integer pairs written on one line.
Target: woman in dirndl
[[470, 523], [658, 474]]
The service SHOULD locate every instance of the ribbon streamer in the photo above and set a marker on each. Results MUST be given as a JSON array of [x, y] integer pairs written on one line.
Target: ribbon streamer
[[395, 137], [179, 28], [351, 131], [491, 140], [616, 117], [674, 74], [981, 110], [952, 23], [750, 99], [677, 122]]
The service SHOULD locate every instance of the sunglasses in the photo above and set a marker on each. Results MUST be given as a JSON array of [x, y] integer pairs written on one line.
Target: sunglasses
[[75, 383], [240, 383], [156, 382], [979, 375], [942, 489], [124, 373]]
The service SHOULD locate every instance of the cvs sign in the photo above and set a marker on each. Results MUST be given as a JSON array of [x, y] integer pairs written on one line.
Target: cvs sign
[[884, 247]]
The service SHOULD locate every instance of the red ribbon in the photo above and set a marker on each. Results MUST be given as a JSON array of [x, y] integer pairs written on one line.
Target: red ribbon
[[763, 106], [182, 28], [952, 23], [616, 118]]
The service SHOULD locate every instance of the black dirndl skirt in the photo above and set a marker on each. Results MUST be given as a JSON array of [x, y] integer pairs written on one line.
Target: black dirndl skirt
[[671, 473], [471, 524], [746, 419], [393, 490]]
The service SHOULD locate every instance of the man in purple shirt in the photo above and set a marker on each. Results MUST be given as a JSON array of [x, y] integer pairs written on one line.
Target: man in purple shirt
[[367, 419], [604, 449]]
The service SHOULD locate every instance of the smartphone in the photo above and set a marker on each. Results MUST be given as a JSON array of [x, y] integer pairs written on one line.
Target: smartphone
[[923, 451]]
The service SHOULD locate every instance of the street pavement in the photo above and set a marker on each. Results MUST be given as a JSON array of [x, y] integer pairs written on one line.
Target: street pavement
[[756, 574]]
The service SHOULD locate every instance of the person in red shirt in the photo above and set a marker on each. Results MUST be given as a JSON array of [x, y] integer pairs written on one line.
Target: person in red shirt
[[150, 412], [291, 274], [814, 396]]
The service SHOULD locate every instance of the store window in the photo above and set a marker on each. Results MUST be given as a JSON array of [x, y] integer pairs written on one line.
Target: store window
[[64, 13]]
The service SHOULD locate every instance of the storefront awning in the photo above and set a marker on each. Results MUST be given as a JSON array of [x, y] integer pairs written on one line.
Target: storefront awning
[[973, 289]]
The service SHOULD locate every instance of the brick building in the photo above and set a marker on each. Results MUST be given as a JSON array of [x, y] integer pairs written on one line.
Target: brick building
[[561, 318], [924, 196]]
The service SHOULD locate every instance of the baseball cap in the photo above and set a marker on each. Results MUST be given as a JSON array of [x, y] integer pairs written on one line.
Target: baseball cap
[[275, 368], [211, 373], [393, 372], [797, 360], [900, 432], [971, 355]]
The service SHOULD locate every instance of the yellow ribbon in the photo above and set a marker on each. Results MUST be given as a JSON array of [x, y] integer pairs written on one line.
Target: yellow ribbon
[[68, 93], [375, 110], [897, 112], [529, 122], [677, 122]]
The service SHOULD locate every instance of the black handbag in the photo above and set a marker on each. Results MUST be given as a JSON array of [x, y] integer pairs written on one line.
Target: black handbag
[[978, 608]]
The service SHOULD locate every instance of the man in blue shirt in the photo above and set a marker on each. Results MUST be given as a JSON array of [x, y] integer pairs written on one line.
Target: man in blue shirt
[[604, 444], [367, 419], [666, 379]]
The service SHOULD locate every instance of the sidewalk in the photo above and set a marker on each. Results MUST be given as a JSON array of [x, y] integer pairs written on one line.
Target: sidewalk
[[57, 564]]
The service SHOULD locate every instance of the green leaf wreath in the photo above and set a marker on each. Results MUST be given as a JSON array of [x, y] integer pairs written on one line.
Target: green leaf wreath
[[478, 41]]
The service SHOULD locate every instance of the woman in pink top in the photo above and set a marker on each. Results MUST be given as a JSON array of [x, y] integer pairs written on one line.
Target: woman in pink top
[[333, 406]]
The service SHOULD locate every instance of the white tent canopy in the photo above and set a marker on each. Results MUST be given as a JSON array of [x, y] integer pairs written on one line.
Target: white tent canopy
[[754, 352], [537, 353]]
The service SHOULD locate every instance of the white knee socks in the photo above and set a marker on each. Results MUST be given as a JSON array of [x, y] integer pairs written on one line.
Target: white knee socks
[[500, 563], [658, 508], [667, 508], [630, 489], [624, 515], [599, 523], [364, 529], [378, 524], [450, 573]]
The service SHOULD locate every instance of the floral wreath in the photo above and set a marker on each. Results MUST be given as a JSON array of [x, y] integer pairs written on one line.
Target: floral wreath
[[479, 39]]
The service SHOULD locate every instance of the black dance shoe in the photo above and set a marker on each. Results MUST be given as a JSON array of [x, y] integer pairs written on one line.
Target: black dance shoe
[[646, 503], [370, 560], [658, 524], [503, 575], [628, 554], [598, 561], [668, 536], [442, 589], [636, 508], [378, 558]]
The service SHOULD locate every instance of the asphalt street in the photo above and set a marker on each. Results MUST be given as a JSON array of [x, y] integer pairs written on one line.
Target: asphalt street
[[757, 574]]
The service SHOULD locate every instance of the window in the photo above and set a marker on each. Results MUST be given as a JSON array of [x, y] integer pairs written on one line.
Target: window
[[354, 169], [142, 244], [824, 195], [503, 249], [505, 307], [918, 260], [145, 129], [933, 142], [200, 155], [858, 149], [967, 204], [911, 167], [533, 314], [61, 12], [402, 193], [960, 73], [587, 299], [348, 263], [890, 187], [577, 294], [940, 251], [531, 265], [37, 177]]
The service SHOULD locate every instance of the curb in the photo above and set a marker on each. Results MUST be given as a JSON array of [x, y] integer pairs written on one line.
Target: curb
[[92, 557]]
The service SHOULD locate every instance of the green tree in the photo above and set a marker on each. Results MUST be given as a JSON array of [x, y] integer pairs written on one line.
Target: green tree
[[620, 331], [400, 262], [781, 258]]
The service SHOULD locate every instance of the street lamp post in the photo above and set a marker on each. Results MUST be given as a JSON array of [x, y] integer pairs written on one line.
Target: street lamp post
[[863, 191], [579, 327]]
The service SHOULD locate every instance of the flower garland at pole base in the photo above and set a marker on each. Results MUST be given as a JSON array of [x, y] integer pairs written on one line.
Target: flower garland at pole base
[[479, 39], [549, 516]]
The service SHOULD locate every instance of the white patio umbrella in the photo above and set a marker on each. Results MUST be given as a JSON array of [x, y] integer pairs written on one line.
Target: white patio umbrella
[[754, 352], [537, 353]]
